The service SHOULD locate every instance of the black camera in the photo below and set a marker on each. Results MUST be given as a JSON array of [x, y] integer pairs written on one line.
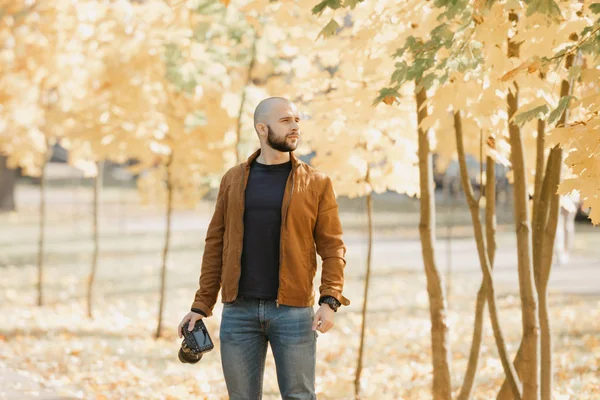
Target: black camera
[[195, 343]]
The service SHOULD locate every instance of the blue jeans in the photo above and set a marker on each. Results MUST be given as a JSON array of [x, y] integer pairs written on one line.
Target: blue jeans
[[247, 326]]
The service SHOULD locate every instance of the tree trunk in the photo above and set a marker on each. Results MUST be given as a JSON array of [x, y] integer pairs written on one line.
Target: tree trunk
[[525, 262], [8, 178], [542, 272], [243, 102], [163, 276], [544, 231], [545, 342], [96, 220], [366, 294], [550, 220], [490, 229], [449, 233], [550, 190], [484, 260], [529, 300], [490, 209], [539, 179], [40, 301], [442, 385]]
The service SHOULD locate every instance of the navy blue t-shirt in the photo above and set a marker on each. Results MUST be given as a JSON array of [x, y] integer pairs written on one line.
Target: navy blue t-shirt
[[262, 230]]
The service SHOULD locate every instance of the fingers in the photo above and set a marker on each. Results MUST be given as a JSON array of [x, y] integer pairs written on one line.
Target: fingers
[[325, 326], [322, 323], [195, 317], [316, 321], [183, 321]]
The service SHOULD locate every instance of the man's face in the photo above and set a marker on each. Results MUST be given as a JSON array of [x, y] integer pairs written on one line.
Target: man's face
[[284, 129]]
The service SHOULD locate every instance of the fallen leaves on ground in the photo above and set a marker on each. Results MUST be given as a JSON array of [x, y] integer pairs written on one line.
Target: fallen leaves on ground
[[115, 356]]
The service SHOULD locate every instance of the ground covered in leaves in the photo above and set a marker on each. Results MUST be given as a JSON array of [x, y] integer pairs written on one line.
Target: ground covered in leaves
[[114, 355]]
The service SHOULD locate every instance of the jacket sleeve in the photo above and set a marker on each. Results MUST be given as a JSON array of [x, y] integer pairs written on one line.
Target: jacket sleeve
[[331, 248], [212, 259]]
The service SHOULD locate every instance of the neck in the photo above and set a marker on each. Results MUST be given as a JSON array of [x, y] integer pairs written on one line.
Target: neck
[[270, 156]]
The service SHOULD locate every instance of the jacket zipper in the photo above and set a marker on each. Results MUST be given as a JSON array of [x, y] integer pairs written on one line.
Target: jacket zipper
[[283, 222], [245, 182]]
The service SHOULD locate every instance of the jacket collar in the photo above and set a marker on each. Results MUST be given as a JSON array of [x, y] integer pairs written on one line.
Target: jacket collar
[[295, 160]]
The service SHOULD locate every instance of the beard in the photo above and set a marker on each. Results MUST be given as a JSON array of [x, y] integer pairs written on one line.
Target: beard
[[279, 144]]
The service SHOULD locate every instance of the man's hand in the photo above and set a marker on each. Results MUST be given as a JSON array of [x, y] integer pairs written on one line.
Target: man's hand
[[193, 318], [323, 320]]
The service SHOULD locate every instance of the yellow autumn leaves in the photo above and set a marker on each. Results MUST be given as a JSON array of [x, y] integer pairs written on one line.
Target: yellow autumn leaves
[[124, 80]]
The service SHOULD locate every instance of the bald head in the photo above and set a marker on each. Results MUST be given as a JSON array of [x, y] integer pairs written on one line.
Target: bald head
[[277, 123], [264, 111]]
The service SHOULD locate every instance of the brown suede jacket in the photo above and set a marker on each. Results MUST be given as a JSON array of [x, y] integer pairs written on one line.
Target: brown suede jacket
[[310, 224]]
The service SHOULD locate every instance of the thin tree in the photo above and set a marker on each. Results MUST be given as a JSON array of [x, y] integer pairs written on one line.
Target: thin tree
[[490, 229], [41, 239], [98, 181], [366, 293], [529, 300], [544, 222], [484, 261], [163, 275], [442, 384]]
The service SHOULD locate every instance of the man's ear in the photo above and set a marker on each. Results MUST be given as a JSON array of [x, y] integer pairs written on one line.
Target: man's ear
[[262, 128]]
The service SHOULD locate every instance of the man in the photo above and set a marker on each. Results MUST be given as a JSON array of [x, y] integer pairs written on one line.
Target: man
[[273, 214]]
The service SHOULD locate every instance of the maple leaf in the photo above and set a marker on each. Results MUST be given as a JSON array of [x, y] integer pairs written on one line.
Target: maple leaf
[[330, 29], [530, 66], [389, 100], [333, 4], [560, 109]]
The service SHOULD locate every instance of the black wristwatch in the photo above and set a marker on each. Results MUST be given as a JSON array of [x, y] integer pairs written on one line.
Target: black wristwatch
[[331, 301]]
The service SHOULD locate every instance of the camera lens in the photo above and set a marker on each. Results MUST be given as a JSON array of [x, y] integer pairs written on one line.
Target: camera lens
[[188, 358]]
